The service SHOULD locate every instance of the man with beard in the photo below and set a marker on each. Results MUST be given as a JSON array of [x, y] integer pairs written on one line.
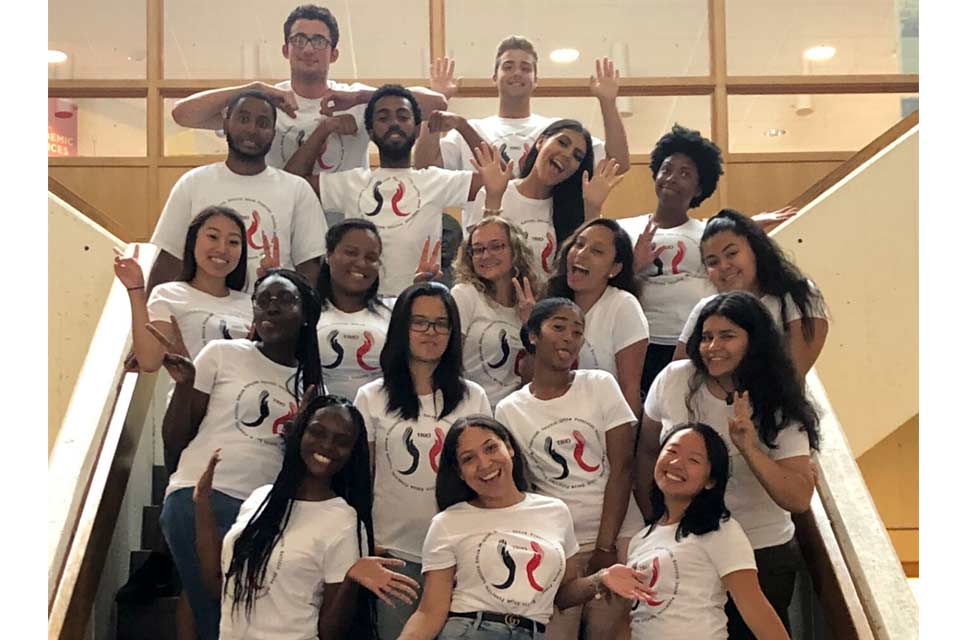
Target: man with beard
[[284, 221], [406, 204], [310, 37]]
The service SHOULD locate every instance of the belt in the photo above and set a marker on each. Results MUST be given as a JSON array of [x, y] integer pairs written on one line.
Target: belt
[[509, 619]]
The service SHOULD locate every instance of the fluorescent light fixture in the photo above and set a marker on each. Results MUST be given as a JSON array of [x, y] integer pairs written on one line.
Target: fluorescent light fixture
[[564, 56], [55, 57], [775, 133], [820, 53]]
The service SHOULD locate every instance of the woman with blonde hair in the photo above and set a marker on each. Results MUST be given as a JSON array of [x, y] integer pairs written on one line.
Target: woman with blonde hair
[[496, 288]]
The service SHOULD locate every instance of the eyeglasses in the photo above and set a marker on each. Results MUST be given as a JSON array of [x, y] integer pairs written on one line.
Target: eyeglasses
[[422, 325], [284, 299], [492, 248], [300, 40]]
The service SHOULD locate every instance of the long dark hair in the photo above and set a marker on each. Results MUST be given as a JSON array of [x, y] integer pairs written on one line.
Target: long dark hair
[[451, 488], [568, 195], [766, 371], [309, 372], [334, 235], [395, 356], [707, 508], [237, 278], [557, 284], [255, 544], [776, 274]]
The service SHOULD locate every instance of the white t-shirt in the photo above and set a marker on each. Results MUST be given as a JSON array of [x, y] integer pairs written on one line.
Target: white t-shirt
[[342, 153], [564, 441], [350, 345], [250, 399], [201, 316], [507, 135], [772, 303], [765, 523], [491, 342], [613, 323], [318, 547], [407, 455], [508, 560], [674, 283], [273, 202], [532, 215], [407, 207], [687, 577]]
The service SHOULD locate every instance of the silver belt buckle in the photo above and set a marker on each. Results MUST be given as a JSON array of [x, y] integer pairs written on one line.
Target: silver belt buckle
[[512, 620]]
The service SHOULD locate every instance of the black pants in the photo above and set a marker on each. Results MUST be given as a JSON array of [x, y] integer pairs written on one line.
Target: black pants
[[777, 569], [658, 357]]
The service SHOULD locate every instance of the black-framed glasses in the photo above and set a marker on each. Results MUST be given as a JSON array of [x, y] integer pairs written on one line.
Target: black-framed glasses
[[421, 324], [284, 299], [300, 40]]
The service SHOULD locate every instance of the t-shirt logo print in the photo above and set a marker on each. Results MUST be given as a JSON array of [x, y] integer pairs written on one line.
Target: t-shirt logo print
[[496, 341], [664, 578], [292, 137], [363, 350], [404, 450], [568, 453], [262, 409], [337, 349], [404, 202], [548, 252], [516, 568]]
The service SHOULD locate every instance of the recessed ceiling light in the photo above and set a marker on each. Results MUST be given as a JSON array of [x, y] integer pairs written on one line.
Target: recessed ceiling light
[[564, 56], [55, 57], [820, 53], [775, 133]]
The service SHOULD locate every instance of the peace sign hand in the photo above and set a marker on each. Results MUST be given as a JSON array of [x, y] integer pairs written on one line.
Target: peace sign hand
[[175, 345], [525, 298], [605, 84], [494, 174], [128, 270], [743, 433], [646, 250], [204, 486], [371, 572], [429, 266], [271, 255], [605, 178], [627, 583], [180, 368]]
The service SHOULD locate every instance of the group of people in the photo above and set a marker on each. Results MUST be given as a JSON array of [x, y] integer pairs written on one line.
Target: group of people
[[600, 431]]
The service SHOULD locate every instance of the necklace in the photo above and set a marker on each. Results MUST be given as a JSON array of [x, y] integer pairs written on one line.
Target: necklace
[[729, 397]]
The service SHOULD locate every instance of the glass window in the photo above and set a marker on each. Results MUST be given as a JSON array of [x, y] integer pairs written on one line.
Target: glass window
[[103, 39], [180, 141], [649, 119], [826, 122], [770, 37], [244, 39], [644, 37], [96, 127]]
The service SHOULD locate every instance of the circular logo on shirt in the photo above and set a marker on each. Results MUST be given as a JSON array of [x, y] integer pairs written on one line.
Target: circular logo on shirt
[[568, 453], [663, 575], [518, 567], [292, 137], [217, 327], [511, 147], [274, 564], [350, 347], [413, 456], [262, 409], [542, 241], [389, 202], [259, 220], [499, 347]]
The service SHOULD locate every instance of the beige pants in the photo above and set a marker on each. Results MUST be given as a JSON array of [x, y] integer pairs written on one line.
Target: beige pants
[[604, 619]]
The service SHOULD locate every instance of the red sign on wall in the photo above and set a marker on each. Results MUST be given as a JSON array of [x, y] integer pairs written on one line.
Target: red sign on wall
[[61, 127]]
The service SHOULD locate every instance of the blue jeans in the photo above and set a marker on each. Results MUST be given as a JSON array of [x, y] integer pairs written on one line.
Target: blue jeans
[[391, 620], [179, 528], [467, 629]]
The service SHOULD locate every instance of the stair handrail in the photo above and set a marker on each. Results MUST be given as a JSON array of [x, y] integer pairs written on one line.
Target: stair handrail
[[78, 202], [90, 464]]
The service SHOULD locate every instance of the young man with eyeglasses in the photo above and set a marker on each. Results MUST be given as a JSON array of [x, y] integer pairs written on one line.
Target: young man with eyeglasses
[[310, 35]]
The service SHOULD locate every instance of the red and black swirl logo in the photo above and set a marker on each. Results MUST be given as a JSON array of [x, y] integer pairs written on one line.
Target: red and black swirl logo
[[661, 566], [517, 566], [262, 409], [497, 344], [413, 455], [568, 453], [404, 197]]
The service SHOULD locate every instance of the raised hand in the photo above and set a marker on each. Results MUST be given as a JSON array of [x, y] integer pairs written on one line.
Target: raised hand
[[372, 573], [627, 583], [495, 175], [442, 122], [181, 369], [525, 298], [646, 250], [743, 433], [283, 99], [128, 270], [340, 100], [429, 265], [441, 77], [605, 83], [605, 178], [204, 487], [343, 123], [271, 255], [174, 345], [523, 156], [769, 220]]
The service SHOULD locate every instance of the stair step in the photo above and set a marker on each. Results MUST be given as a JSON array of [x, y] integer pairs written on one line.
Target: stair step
[[151, 538], [137, 558], [159, 483], [156, 620]]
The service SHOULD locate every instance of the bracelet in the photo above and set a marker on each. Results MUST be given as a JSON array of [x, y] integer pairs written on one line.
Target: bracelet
[[611, 549], [492, 212], [598, 588], [133, 288]]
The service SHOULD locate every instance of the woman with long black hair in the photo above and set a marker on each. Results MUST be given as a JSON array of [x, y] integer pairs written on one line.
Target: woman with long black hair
[[740, 381], [237, 397], [291, 564], [408, 413]]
